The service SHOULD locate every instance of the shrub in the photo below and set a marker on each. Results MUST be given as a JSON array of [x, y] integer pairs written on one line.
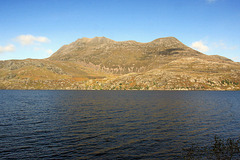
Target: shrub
[[221, 149]]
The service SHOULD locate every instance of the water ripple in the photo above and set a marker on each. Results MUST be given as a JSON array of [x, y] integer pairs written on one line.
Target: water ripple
[[112, 124]]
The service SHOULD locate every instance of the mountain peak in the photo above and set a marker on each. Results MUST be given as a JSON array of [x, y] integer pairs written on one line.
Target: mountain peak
[[95, 40], [84, 39], [166, 39], [108, 53]]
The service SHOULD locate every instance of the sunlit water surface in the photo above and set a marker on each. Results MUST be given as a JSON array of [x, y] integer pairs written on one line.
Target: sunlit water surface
[[113, 124]]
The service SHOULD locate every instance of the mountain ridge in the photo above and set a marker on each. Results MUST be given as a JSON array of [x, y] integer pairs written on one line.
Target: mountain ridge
[[119, 57], [101, 63]]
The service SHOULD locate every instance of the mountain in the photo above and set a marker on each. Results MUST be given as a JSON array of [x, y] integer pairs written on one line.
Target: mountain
[[124, 57], [102, 63]]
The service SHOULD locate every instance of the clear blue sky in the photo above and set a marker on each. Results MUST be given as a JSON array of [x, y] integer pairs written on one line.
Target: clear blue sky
[[37, 28]]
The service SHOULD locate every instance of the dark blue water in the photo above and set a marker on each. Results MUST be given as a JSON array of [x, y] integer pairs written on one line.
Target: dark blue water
[[113, 124]]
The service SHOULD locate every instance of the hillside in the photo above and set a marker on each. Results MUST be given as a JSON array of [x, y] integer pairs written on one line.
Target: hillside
[[124, 57], [102, 63]]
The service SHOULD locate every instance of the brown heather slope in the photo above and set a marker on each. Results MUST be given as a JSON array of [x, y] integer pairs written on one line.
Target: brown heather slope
[[43, 74], [102, 63], [124, 57]]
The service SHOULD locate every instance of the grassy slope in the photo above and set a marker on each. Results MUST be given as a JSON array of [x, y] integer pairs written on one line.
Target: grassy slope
[[101, 63]]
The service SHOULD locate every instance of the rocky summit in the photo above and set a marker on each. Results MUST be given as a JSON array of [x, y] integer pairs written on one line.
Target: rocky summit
[[103, 64]]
